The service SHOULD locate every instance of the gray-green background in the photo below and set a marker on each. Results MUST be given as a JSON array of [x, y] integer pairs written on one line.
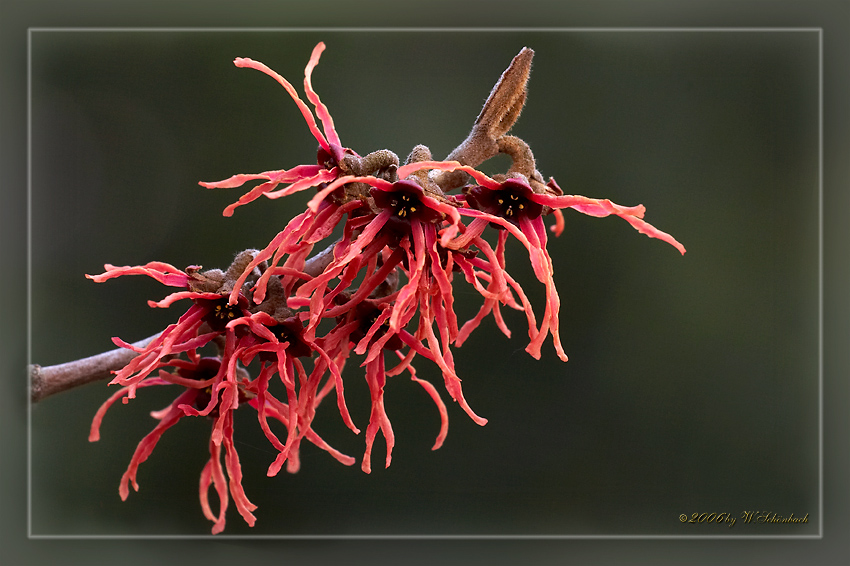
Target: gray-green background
[[692, 384]]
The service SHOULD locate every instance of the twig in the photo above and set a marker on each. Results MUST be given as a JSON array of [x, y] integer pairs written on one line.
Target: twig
[[45, 381], [498, 115]]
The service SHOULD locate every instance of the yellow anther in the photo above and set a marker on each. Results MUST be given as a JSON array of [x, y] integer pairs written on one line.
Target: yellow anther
[[520, 206], [402, 213], [501, 201], [412, 209]]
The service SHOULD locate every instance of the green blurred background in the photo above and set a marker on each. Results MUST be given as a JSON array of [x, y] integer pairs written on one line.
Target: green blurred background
[[692, 384]]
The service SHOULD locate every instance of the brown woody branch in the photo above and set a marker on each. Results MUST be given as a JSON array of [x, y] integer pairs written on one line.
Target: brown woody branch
[[45, 381]]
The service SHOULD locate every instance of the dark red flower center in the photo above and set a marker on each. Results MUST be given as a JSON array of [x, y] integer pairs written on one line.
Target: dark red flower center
[[220, 313], [325, 159], [330, 159], [404, 200], [511, 201], [205, 369], [367, 315], [291, 330]]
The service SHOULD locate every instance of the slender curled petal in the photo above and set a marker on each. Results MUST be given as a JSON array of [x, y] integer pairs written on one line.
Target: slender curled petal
[[234, 472], [378, 420], [165, 273], [282, 243], [603, 207], [321, 109], [240, 179], [299, 178], [149, 442], [558, 227], [550, 322], [308, 181], [314, 202], [180, 295], [169, 340], [441, 407], [452, 381], [94, 432], [406, 170], [305, 110], [213, 474], [279, 412], [498, 290]]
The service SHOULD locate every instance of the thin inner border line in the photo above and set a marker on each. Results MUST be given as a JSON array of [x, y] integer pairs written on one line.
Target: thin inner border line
[[819, 30]]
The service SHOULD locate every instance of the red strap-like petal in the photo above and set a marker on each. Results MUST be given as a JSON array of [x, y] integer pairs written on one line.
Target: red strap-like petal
[[236, 180], [321, 109], [406, 170], [165, 273], [305, 110], [604, 207]]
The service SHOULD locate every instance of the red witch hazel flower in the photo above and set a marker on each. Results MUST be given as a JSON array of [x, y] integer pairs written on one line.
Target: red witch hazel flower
[[215, 386], [198, 379], [300, 177], [514, 205], [382, 291], [333, 161]]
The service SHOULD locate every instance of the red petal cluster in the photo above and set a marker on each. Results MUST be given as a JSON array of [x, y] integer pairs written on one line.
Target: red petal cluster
[[383, 292]]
